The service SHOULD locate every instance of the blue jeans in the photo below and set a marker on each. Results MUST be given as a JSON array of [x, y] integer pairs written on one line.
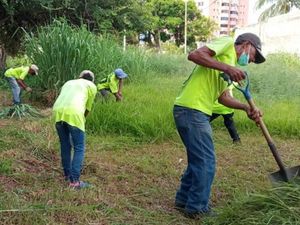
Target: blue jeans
[[195, 131], [16, 90], [68, 136]]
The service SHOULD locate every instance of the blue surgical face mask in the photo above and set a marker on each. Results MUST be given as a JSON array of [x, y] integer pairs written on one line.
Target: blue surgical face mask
[[244, 59]]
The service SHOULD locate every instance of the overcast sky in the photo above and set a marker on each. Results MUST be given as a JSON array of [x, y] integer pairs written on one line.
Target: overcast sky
[[253, 13]]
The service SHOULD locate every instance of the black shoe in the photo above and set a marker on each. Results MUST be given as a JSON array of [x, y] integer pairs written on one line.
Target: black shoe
[[179, 206], [236, 141], [199, 215]]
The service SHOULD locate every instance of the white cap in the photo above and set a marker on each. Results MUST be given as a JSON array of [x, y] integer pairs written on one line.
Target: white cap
[[35, 69], [87, 72]]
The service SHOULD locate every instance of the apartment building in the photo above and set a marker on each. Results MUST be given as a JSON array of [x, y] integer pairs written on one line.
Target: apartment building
[[228, 14]]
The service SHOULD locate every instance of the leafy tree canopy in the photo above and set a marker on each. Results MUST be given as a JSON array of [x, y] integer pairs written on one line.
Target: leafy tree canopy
[[168, 16], [276, 7], [102, 16]]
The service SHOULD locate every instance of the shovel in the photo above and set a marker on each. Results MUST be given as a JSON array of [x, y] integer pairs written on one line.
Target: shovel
[[283, 174]]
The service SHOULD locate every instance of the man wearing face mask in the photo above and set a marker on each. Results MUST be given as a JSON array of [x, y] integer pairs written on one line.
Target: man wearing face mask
[[193, 108]]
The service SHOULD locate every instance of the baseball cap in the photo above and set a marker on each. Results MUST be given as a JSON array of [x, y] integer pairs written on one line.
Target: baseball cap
[[120, 73], [34, 68], [255, 41], [87, 73]]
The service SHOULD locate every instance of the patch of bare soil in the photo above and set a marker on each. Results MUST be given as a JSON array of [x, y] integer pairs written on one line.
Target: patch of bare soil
[[4, 123], [8, 183], [33, 165]]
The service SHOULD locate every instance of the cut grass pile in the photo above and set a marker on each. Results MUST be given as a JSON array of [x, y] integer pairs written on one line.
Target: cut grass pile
[[20, 111]]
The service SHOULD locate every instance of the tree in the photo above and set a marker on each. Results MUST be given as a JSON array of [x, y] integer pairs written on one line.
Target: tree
[[168, 18], [100, 16], [276, 7]]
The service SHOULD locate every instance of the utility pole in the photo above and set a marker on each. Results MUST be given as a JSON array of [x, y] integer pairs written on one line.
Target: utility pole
[[185, 25], [124, 41]]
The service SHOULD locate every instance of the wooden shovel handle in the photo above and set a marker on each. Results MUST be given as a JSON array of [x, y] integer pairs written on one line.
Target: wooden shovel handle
[[268, 138]]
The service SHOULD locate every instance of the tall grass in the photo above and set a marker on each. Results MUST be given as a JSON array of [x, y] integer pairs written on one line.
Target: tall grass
[[62, 52], [276, 79], [145, 113], [278, 206], [147, 108]]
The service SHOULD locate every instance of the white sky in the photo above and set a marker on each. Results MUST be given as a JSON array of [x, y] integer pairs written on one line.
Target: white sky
[[253, 13]]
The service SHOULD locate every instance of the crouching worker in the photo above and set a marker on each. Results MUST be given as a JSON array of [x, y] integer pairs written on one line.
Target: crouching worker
[[15, 78], [227, 114], [70, 110], [113, 83]]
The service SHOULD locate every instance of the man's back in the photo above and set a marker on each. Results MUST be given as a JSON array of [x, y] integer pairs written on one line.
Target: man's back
[[75, 98]]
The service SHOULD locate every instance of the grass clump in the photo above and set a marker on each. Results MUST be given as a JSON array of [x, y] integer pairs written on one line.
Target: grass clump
[[144, 113], [5, 166], [62, 51], [20, 111], [280, 206]]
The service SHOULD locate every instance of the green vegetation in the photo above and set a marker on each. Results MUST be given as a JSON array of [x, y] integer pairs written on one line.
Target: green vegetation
[[19, 111], [62, 52], [134, 156], [275, 7], [5, 166], [278, 205]]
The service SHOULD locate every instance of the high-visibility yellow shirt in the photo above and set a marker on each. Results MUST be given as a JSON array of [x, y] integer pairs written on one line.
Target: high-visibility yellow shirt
[[218, 108], [75, 98], [18, 72], [111, 82], [204, 85]]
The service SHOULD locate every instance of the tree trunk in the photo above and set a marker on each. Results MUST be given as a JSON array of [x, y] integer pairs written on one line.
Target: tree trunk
[[2, 58], [157, 39]]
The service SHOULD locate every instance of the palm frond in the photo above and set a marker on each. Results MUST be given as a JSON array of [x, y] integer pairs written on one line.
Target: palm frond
[[277, 8]]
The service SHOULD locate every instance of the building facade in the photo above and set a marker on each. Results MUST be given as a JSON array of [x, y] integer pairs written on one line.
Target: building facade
[[228, 14]]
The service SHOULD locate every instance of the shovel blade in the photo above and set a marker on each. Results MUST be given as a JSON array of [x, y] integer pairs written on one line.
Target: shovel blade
[[289, 174]]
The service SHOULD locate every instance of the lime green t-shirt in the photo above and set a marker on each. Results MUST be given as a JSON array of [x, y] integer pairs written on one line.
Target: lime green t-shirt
[[218, 108], [18, 72], [110, 82], [204, 85], [75, 98]]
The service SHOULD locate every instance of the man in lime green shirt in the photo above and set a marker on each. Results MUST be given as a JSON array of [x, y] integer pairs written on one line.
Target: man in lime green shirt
[[227, 114], [70, 110], [15, 78], [113, 83], [193, 109]]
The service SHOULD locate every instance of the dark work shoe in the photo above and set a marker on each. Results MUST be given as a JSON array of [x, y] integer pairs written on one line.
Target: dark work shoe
[[179, 206], [236, 141], [199, 215]]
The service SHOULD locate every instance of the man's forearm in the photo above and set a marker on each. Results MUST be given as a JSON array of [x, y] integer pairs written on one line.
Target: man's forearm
[[21, 83], [205, 58], [120, 86], [235, 104], [227, 100]]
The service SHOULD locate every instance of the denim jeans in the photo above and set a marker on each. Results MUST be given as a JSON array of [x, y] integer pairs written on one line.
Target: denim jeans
[[16, 90], [195, 131], [229, 124], [68, 136]]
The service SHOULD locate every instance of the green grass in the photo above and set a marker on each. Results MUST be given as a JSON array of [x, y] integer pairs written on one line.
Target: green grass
[[62, 52], [279, 205], [145, 113], [5, 166], [134, 183], [135, 158]]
